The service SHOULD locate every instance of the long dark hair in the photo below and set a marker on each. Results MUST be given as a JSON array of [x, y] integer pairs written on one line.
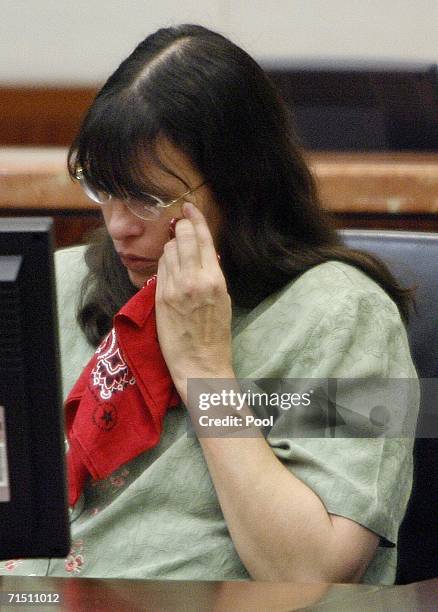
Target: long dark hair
[[214, 102]]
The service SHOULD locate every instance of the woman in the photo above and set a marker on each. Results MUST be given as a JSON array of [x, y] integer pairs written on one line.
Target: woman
[[189, 127]]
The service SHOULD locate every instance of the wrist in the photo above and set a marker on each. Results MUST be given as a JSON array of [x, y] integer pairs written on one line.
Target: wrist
[[202, 379]]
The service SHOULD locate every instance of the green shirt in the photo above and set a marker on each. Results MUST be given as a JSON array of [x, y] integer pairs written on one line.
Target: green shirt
[[158, 516]]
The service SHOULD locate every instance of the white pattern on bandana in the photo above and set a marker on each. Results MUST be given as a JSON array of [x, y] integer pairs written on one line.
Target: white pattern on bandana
[[111, 372]]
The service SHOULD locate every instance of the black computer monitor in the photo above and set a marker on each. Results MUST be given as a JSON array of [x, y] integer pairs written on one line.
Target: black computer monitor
[[33, 506], [361, 106]]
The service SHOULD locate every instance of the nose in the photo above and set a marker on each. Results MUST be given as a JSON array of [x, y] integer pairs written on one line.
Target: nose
[[120, 222]]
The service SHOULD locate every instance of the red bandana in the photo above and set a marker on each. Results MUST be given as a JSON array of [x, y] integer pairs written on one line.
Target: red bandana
[[116, 408]]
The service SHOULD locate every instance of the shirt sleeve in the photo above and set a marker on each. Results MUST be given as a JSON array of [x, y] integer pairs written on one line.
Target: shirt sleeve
[[360, 338]]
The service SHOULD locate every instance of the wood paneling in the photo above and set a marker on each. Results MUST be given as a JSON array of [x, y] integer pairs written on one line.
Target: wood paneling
[[42, 115]]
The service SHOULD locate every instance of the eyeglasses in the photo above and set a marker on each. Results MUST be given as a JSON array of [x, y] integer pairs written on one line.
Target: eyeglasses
[[149, 207]]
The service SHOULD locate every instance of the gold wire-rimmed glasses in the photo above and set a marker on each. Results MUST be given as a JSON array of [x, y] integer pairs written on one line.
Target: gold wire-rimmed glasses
[[147, 208]]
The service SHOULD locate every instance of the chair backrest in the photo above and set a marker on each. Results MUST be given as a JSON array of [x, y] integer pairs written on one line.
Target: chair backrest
[[413, 259]]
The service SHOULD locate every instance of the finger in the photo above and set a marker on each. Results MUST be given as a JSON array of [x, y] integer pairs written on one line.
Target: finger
[[161, 279], [204, 238], [171, 259], [187, 245]]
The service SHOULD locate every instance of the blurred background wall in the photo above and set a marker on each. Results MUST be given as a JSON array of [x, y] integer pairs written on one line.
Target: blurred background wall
[[79, 42], [370, 132]]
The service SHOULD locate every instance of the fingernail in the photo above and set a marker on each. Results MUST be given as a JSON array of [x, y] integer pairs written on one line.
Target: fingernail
[[188, 209]]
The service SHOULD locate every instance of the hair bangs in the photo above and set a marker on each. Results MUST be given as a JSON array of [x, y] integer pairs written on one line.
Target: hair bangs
[[115, 144]]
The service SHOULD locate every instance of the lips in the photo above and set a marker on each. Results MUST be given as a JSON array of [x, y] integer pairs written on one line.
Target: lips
[[137, 264]]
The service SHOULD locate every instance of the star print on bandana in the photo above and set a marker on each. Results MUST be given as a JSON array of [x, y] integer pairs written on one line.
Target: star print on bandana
[[111, 372], [124, 393], [105, 416]]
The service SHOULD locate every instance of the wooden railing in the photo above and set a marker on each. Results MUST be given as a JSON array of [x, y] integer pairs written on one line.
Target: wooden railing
[[380, 190]]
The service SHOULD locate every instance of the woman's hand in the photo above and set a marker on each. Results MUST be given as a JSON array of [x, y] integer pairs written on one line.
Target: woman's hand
[[279, 526], [193, 308]]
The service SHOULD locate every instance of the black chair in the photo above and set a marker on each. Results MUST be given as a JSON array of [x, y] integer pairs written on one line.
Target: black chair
[[413, 258]]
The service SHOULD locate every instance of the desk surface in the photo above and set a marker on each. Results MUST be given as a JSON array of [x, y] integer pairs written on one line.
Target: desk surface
[[83, 595], [36, 177]]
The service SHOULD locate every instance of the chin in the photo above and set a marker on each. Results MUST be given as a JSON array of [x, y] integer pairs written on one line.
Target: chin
[[138, 280]]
